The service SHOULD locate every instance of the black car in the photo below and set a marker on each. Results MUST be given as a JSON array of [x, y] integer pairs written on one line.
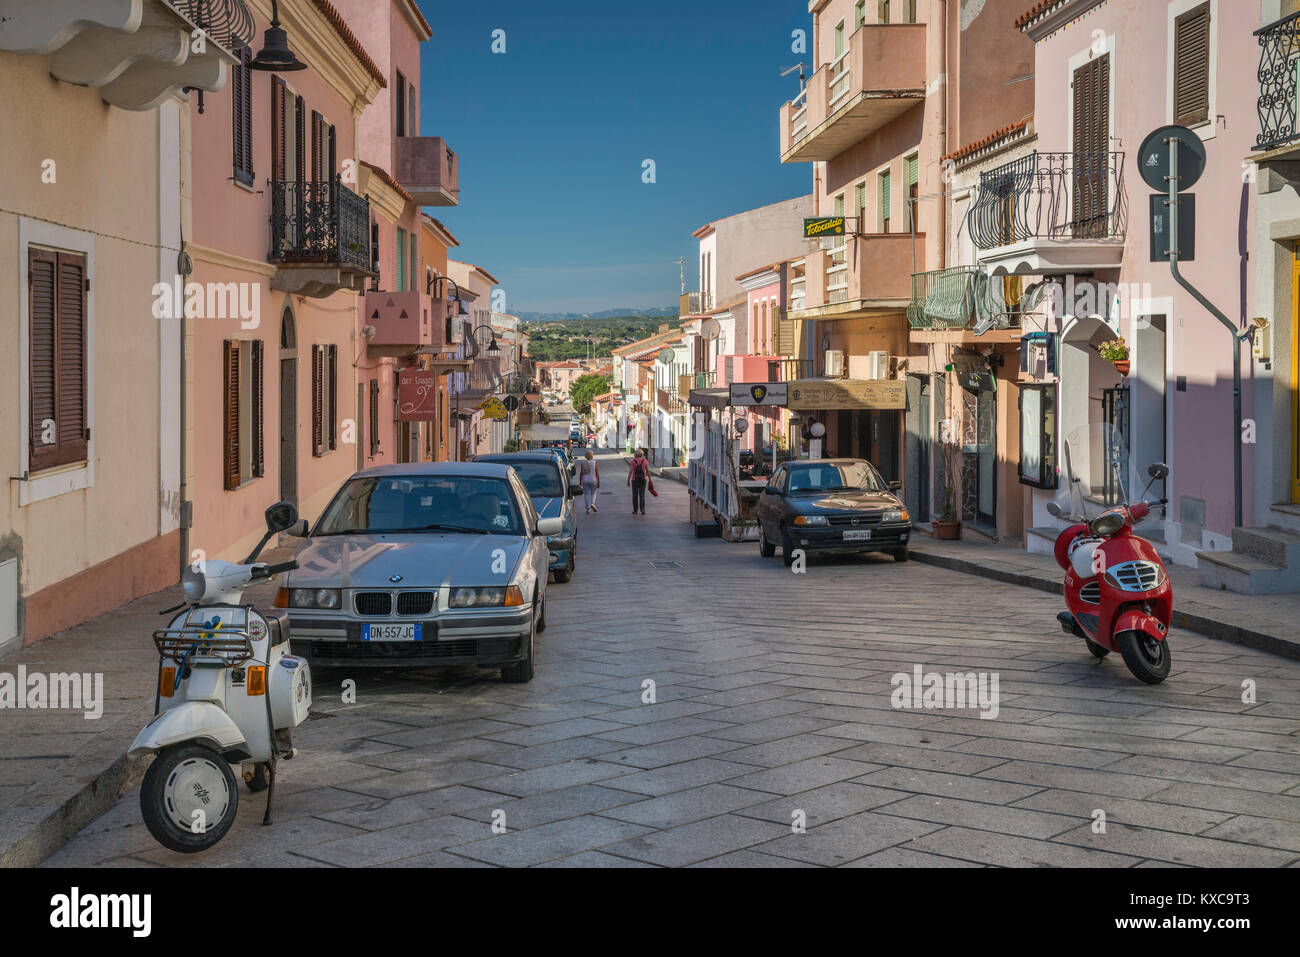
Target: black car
[[831, 505]]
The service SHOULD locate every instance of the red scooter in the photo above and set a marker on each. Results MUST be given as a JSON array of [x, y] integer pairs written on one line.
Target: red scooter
[[1116, 587]]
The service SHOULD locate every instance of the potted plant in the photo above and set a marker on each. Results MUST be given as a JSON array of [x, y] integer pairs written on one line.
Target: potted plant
[[947, 524], [1116, 351]]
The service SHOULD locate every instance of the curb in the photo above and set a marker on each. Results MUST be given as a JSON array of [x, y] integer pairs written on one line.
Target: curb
[[1241, 633]]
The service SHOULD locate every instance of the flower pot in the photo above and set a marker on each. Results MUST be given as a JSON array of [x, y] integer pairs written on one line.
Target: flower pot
[[1121, 366], [947, 531]]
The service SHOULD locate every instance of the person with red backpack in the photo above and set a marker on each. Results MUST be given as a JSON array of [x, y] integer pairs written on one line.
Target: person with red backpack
[[638, 476]]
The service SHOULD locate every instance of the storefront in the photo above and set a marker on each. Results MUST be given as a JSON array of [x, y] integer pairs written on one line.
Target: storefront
[[863, 418]]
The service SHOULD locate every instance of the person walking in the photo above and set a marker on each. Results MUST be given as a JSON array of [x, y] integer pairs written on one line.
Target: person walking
[[638, 474], [589, 476]]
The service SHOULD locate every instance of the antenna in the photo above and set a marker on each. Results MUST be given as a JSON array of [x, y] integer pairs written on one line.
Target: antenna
[[790, 69], [682, 264]]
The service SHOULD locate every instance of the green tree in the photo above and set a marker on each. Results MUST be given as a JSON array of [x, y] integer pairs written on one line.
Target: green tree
[[585, 388]]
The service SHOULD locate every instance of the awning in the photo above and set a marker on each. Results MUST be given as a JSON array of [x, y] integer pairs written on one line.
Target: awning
[[543, 433], [710, 398], [827, 394]]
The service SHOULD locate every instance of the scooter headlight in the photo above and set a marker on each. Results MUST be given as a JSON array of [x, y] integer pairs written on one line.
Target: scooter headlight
[[1107, 524], [193, 583]]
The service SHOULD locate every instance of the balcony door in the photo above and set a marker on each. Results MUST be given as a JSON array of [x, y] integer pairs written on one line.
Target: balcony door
[[1091, 148]]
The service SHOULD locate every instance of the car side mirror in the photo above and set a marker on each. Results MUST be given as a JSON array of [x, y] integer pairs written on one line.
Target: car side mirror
[[550, 526], [575, 490], [895, 486], [773, 490]]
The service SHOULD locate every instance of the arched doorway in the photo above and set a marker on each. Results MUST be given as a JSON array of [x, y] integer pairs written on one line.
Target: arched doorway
[[288, 407], [1092, 392]]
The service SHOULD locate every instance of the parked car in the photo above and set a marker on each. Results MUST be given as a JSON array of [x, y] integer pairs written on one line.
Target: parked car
[[831, 505], [553, 491], [425, 564]]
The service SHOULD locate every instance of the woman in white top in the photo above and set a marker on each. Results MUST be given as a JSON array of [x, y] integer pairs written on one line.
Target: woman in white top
[[589, 476]]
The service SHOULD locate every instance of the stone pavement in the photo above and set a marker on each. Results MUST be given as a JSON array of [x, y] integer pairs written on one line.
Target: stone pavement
[[772, 709]]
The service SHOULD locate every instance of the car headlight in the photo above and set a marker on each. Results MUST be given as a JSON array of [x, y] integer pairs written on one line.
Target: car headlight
[[326, 598], [493, 596], [896, 515], [810, 520]]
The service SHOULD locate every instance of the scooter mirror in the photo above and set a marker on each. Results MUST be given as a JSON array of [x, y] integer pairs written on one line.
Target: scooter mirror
[[281, 516], [1158, 471], [1055, 510]]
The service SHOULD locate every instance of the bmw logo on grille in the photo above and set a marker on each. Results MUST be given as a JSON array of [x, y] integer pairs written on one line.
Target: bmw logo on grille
[[394, 578], [855, 521]]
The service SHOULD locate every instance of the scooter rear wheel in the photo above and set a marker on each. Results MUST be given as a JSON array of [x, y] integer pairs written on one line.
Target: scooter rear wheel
[[1148, 659], [184, 779]]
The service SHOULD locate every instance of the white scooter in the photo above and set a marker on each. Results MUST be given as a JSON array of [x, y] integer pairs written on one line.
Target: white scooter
[[227, 693]]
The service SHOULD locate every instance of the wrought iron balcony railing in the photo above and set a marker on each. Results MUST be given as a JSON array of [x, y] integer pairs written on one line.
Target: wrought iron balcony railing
[[319, 222], [1279, 54], [1057, 196], [964, 297]]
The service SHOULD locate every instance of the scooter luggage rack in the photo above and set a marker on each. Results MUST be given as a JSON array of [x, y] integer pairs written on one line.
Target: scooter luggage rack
[[198, 641]]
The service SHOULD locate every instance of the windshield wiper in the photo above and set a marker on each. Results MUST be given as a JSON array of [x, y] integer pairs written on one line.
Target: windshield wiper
[[449, 528]]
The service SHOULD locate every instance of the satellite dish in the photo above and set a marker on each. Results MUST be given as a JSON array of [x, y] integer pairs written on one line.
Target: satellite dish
[[666, 357], [1034, 295], [710, 329], [741, 425]]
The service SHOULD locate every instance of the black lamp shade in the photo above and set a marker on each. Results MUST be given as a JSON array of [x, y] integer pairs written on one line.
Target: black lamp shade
[[275, 54]]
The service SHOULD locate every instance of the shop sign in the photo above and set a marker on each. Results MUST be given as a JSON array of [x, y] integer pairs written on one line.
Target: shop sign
[[818, 394]]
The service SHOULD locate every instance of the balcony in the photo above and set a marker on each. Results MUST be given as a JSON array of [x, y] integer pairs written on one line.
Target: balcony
[[136, 54], [963, 299], [878, 78], [1051, 214], [320, 238], [403, 322], [867, 273], [427, 170], [695, 304]]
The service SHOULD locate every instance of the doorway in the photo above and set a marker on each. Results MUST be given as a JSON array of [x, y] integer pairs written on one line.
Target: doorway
[[288, 409], [1148, 412], [979, 458]]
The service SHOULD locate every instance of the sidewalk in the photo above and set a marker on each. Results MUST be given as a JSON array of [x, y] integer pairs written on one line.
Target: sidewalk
[[1267, 622], [60, 770]]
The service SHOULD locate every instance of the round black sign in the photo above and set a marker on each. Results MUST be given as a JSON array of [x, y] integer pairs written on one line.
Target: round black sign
[[1153, 158], [510, 402]]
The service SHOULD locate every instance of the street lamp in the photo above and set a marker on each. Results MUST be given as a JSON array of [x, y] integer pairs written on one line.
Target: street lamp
[[275, 54]]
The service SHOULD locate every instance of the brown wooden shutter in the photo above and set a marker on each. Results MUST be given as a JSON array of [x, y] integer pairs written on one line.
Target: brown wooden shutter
[[333, 398], [1192, 66], [317, 147], [72, 358], [300, 127], [259, 432], [231, 356], [317, 400], [1091, 148], [278, 126], [333, 155], [374, 417], [241, 103], [42, 269]]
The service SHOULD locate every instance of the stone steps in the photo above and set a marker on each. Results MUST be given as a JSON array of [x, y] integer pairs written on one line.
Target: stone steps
[[1263, 561]]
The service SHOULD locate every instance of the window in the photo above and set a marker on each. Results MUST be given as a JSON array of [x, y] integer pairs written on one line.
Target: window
[[400, 98], [1192, 66], [57, 287], [324, 398], [322, 149], [860, 204], [243, 422], [913, 180], [241, 117], [839, 39], [412, 117], [882, 11], [883, 192], [860, 13]]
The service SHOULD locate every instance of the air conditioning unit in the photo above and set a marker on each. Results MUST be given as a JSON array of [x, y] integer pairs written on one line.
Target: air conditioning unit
[[879, 365], [834, 362]]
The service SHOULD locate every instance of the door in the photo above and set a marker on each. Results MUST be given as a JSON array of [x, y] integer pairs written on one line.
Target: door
[[1148, 413], [1115, 413], [1295, 374], [1091, 116]]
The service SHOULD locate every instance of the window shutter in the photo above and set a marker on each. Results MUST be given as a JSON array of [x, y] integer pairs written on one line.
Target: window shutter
[[784, 334], [278, 117], [913, 170], [232, 415], [333, 399], [72, 358], [42, 266], [333, 155], [241, 103], [317, 400], [1091, 148], [317, 147], [374, 417], [300, 128], [1192, 66], [259, 431], [401, 105], [401, 259]]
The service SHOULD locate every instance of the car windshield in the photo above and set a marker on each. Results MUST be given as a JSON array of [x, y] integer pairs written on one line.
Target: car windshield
[[416, 503], [836, 477], [542, 479]]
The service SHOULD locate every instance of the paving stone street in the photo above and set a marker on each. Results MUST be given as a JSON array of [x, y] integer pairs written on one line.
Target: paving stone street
[[768, 736]]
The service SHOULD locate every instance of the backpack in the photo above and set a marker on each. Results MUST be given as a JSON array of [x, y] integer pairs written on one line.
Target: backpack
[[640, 470]]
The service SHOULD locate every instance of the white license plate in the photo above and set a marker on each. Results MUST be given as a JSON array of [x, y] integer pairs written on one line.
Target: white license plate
[[857, 535], [410, 632]]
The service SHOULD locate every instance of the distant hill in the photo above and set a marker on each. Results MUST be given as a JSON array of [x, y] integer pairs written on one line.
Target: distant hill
[[666, 311], [579, 337]]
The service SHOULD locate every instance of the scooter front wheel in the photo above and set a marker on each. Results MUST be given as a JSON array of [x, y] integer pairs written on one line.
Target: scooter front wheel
[[1148, 659], [189, 798]]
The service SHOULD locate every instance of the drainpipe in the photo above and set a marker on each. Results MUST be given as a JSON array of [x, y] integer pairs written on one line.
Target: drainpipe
[[943, 134]]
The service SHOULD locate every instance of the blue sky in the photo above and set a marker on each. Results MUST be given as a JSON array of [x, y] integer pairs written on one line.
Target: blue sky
[[551, 137]]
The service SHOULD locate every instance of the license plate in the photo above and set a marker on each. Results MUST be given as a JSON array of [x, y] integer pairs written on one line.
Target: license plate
[[857, 535], [408, 632]]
